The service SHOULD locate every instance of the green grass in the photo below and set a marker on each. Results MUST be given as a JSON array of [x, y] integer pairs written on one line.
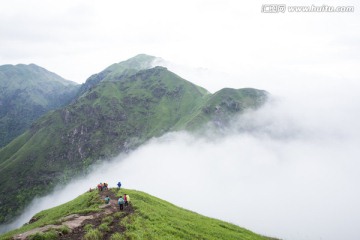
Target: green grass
[[27, 92], [104, 227], [117, 236], [157, 219], [107, 219], [64, 229], [88, 227], [152, 218], [50, 235], [118, 215], [93, 234], [85, 203], [115, 115]]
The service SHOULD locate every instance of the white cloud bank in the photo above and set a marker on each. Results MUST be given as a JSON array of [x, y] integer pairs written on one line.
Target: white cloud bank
[[288, 170], [78, 38]]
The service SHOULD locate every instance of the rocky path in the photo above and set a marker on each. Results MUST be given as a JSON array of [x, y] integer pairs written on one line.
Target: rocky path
[[76, 222]]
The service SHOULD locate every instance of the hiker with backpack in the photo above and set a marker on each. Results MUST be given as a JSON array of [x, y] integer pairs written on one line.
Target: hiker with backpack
[[107, 199], [119, 184], [121, 203], [126, 199]]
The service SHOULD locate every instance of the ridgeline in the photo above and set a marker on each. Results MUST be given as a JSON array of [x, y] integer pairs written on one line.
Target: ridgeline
[[26, 93], [115, 111], [147, 217]]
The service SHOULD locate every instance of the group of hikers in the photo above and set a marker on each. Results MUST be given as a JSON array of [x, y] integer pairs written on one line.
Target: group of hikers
[[102, 186], [122, 201]]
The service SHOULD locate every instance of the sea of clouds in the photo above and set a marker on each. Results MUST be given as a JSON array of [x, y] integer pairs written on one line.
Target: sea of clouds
[[288, 170]]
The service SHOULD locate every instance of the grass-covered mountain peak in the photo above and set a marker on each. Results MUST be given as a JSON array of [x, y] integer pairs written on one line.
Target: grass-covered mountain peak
[[26, 93], [27, 75], [139, 62], [146, 217], [118, 71], [113, 116]]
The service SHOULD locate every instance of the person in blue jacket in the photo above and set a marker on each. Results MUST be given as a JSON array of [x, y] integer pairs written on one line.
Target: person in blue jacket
[[107, 199], [121, 203], [119, 184]]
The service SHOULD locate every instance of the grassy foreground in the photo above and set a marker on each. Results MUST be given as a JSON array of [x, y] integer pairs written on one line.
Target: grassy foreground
[[157, 219], [152, 218], [85, 203]]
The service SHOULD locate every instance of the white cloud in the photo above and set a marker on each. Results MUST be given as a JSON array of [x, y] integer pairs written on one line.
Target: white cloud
[[78, 38], [293, 173], [288, 170]]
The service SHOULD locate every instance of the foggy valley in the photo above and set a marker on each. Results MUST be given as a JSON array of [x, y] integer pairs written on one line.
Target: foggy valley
[[282, 171]]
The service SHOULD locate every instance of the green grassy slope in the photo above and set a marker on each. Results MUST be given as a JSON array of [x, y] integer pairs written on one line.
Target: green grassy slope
[[157, 219], [118, 71], [219, 108], [111, 117], [152, 218], [26, 93], [85, 203]]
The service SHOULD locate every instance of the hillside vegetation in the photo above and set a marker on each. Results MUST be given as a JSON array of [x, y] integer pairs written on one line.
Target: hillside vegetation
[[116, 114], [26, 93], [147, 217]]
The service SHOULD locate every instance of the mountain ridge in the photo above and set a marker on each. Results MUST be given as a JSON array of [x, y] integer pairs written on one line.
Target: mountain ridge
[[26, 93], [146, 217], [117, 71], [112, 116]]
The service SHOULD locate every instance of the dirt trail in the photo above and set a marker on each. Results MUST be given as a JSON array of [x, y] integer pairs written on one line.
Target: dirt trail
[[77, 222]]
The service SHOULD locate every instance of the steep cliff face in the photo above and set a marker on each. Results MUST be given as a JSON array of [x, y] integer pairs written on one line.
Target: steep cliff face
[[113, 116]]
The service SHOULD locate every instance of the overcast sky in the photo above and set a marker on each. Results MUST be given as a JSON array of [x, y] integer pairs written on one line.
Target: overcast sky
[[76, 38], [301, 150]]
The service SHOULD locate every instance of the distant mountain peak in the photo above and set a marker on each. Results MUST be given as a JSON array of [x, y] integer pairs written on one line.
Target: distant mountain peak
[[139, 62], [117, 71], [143, 56], [27, 92]]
